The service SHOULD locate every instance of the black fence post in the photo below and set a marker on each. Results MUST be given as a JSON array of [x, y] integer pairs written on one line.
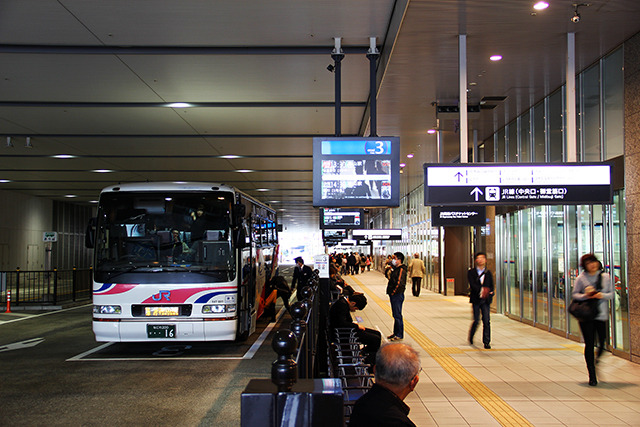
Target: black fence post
[[55, 286], [17, 286], [299, 328]]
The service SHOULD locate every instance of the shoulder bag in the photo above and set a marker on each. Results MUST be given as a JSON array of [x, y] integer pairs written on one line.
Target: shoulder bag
[[586, 310]]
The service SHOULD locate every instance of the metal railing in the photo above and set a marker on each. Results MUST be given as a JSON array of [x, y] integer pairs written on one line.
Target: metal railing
[[45, 287]]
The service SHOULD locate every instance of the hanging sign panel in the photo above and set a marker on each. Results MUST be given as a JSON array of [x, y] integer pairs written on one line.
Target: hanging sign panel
[[517, 184], [369, 234], [458, 216]]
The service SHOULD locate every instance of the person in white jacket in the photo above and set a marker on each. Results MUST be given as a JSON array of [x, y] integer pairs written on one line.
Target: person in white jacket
[[416, 271], [592, 283]]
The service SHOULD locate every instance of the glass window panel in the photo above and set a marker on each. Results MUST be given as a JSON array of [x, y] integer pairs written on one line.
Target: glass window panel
[[512, 278], [590, 113], [556, 229], [501, 145], [613, 105], [555, 125], [573, 255], [619, 275], [539, 133], [513, 153], [542, 284], [525, 137], [526, 263]]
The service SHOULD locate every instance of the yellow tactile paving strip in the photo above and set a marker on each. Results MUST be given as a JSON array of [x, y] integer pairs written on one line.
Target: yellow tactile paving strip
[[491, 402]]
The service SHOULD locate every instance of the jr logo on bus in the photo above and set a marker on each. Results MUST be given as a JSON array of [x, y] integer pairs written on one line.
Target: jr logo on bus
[[162, 294]]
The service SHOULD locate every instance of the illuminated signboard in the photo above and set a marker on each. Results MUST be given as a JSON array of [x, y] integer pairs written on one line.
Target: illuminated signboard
[[517, 184], [368, 234], [341, 218], [356, 172], [458, 216]]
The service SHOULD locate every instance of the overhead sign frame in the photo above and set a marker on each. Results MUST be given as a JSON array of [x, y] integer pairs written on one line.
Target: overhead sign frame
[[382, 234], [492, 184]]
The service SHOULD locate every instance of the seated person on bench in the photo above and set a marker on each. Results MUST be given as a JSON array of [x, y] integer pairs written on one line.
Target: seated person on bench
[[340, 317]]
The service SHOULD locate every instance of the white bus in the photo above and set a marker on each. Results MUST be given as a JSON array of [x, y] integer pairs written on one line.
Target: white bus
[[180, 262]]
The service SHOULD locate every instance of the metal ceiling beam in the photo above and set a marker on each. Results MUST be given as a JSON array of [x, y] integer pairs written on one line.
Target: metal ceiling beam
[[180, 136], [244, 104], [177, 50]]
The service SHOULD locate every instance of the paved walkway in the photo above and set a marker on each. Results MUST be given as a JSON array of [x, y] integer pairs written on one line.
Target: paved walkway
[[529, 377]]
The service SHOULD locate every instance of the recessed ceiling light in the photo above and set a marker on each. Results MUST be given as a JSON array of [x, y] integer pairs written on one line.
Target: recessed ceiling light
[[244, 170], [403, 165], [5, 180], [102, 170], [262, 189], [70, 196], [410, 156], [65, 156], [495, 57], [179, 105], [230, 156], [93, 201], [431, 131], [541, 5]]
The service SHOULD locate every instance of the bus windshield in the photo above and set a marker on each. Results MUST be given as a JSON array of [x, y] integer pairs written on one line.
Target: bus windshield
[[146, 234]]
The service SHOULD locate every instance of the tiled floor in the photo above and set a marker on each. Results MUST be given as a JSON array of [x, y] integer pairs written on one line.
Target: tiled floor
[[529, 377]]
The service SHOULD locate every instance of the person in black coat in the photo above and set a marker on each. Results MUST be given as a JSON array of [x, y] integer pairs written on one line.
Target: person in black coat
[[397, 369], [340, 317], [481, 291], [301, 274]]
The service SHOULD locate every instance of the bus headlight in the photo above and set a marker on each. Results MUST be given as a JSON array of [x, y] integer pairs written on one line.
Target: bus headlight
[[107, 309], [218, 308]]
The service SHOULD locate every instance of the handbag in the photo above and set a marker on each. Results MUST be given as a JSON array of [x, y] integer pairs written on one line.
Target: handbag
[[586, 310]]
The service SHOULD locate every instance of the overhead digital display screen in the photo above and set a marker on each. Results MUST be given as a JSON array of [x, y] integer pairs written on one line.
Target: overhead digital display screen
[[517, 184], [341, 218], [337, 235], [458, 216], [356, 172]]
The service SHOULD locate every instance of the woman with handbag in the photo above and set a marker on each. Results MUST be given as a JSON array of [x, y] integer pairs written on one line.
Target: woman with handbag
[[595, 286]]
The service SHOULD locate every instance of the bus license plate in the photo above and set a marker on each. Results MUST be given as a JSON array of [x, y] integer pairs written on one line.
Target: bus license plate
[[161, 331]]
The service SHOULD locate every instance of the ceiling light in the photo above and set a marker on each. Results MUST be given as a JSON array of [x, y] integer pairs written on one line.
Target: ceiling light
[[9, 143], [93, 201], [410, 156], [495, 57], [230, 156], [64, 156], [70, 196], [102, 170], [27, 143], [431, 131], [403, 165], [262, 189], [179, 105], [179, 182], [244, 170], [541, 5], [4, 181]]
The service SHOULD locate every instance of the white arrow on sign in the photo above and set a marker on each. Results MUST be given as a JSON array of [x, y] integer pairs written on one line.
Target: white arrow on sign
[[21, 344], [477, 192]]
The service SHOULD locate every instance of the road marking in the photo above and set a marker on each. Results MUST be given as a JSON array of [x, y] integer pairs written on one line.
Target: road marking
[[248, 355], [504, 413], [21, 344], [44, 314]]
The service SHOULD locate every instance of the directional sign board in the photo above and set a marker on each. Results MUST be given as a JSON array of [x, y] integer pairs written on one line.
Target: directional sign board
[[386, 234], [517, 184]]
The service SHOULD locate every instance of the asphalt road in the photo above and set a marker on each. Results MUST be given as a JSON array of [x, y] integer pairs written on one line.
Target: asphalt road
[[53, 373]]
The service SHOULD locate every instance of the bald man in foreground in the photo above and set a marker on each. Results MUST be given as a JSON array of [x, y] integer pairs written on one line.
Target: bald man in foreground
[[396, 373]]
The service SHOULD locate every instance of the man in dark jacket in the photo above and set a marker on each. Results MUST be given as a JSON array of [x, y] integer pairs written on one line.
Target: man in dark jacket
[[301, 273], [396, 371], [481, 292], [395, 289], [340, 317]]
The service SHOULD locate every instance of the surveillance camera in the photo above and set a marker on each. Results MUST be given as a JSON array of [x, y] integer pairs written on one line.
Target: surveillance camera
[[575, 18], [330, 67]]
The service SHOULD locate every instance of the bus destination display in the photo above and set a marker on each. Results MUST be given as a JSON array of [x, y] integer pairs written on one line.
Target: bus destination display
[[358, 172]]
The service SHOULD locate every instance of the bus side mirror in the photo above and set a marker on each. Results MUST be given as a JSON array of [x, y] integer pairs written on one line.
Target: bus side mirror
[[240, 237], [90, 233]]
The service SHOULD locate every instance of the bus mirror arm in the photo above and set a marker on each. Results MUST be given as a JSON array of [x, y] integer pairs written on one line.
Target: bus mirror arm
[[239, 212]]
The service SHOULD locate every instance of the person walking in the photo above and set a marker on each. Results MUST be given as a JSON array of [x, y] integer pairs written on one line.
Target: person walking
[[593, 284], [481, 290], [395, 289], [416, 271]]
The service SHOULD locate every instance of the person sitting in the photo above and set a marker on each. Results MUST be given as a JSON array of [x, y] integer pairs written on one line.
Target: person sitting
[[396, 374], [340, 317]]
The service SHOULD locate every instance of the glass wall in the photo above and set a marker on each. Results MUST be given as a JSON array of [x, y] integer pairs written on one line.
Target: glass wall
[[540, 247]]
